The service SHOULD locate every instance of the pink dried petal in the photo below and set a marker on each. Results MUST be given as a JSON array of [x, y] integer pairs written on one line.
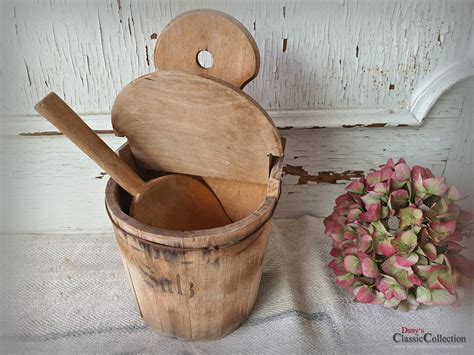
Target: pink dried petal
[[369, 266], [448, 282], [429, 174], [465, 216], [349, 235], [459, 297], [401, 172], [353, 215], [365, 294], [328, 221], [419, 170], [346, 198], [408, 260], [455, 237], [435, 186], [352, 264], [389, 163], [410, 216], [337, 266], [374, 177], [462, 264], [454, 247], [346, 244], [373, 213], [386, 247], [406, 242], [426, 270], [356, 187], [399, 198], [442, 297], [341, 210], [420, 190], [415, 279], [371, 197], [335, 252], [365, 243], [423, 295], [386, 173], [350, 251], [444, 229], [345, 280], [402, 278], [382, 188], [453, 193], [430, 250]]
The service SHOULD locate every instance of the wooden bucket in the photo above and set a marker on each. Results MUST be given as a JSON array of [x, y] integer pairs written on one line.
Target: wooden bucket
[[187, 119], [197, 285]]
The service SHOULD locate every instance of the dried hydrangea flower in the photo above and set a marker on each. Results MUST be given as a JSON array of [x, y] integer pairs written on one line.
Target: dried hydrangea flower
[[395, 239]]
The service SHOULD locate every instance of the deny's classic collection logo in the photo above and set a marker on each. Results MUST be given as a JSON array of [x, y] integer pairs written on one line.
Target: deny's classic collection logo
[[419, 335]]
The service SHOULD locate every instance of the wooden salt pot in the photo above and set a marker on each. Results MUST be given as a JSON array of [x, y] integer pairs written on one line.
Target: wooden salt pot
[[200, 284]]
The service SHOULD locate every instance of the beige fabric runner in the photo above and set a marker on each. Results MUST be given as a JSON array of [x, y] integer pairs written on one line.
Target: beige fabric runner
[[69, 294]]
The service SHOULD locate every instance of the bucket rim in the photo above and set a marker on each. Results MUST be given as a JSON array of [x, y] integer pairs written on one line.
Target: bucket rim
[[203, 238]]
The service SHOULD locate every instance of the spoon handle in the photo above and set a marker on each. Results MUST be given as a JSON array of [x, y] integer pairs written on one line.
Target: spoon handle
[[56, 111]]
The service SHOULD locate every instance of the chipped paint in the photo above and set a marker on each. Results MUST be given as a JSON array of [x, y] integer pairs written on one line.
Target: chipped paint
[[372, 125], [329, 177]]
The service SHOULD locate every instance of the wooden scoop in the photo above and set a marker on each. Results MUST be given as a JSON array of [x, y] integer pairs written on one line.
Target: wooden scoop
[[176, 202]]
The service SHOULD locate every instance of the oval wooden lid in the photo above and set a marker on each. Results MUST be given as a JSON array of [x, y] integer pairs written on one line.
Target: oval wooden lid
[[182, 123]]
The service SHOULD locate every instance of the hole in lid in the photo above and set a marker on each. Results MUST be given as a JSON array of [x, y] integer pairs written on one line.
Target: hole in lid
[[205, 59]]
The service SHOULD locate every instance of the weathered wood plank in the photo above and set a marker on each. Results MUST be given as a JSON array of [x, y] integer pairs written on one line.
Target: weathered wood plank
[[314, 54]]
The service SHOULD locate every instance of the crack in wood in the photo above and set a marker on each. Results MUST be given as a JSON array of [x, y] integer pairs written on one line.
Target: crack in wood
[[372, 125], [328, 177], [56, 133], [146, 56]]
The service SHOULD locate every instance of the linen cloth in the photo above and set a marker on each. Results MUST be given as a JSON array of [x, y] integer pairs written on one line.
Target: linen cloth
[[69, 294]]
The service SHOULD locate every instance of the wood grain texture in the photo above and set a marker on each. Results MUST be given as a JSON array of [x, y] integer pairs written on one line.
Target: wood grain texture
[[195, 294], [314, 54], [249, 195], [183, 123], [236, 59], [178, 202]]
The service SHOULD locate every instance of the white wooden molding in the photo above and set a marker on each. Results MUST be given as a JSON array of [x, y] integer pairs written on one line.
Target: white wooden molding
[[426, 94], [284, 119]]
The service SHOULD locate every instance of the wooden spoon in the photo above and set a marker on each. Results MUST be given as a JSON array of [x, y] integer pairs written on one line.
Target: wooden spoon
[[176, 202]]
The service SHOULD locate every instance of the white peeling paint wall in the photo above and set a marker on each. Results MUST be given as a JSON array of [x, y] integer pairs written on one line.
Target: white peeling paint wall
[[315, 54]]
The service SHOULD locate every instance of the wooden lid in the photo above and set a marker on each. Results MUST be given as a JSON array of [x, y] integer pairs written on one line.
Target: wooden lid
[[182, 123], [235, 54]]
